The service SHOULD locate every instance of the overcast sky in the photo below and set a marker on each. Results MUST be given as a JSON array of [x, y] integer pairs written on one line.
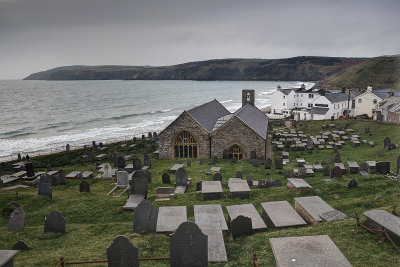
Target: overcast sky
[[37, 35]]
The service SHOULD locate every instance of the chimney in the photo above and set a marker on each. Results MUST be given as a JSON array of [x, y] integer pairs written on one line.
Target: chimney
[[369, 88], [390, 93], [278, 88], [303, 86], [247, 97]]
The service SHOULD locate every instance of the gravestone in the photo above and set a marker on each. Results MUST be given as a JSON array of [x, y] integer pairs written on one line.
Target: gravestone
[[364, 168], [201, 162], [20, 245], [383, 167], [277, 183], [335, 149], [387, 142], [181, 177], [122, 253], [310, 145], [217, 177], [380, 154], [17, 220], [253, 155], [326, 171], [61, 177], [146, 160], [148, 175], [267, 163], [225, 154], [141, 216], [331, 161], [67, 148], [143, 137], [302, 173], [338, 158], [367, 130], [240, 226], [107, 171], [150, 136], [48, 168], [287, 174], [239, 174], [262, 184], [278, 163], [255, 163], [154, 137], [139, 183], [270, 182], [199, 185], [55, 222], [188, 246], [121, 162], [84, 187], [398, 164], [30, 172], [188, 163], [333, 216], [115, 159], [311, 207], [336, 172], [134, 139], [323, 162], [353, 167], [233, 160], [45, 186], [166, 179], [2, 166], [137, 164], [281, 214], [352, 184], [19, 157]]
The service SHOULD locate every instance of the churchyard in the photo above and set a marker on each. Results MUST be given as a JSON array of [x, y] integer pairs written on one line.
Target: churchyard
[[94, 218]]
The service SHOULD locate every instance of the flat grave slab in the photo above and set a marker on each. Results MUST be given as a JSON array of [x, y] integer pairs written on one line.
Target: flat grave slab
[[239, 188], [300, 162], [181, 189], [297, 184], [307, 251], [309, 172], [14, 187], [211, 190], [133, 201], [310, 208], [51, 173], [353, 167], [281, 214], [20, 174], [216, 244], [308, 166], [247, 210], [87, 174], [8, 179], [7, 257], [73, 175], [169, 218], [211, 215], [318, 168], [379, 219], [176, 167], [101, 157], [215, 169]]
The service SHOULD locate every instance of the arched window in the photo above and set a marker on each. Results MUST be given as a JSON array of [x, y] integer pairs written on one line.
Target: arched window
[[235, 152], [185, 146]]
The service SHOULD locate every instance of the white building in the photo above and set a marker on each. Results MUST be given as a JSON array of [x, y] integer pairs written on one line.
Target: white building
[[365, 103]]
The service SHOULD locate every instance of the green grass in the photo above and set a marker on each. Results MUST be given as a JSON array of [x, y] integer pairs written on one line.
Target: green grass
[[94, 219]]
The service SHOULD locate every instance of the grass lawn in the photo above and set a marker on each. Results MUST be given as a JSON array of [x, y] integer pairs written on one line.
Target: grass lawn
[[94, 219]]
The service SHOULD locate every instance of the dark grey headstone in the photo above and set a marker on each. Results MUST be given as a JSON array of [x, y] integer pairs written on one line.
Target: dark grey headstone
[[277, 183], [253, 155], [302, 173], [352, 184], [148, 175], [336, 172], [45, 185], [367, 130], [278, 163], [255, 163], [67, 148], [326, 171], [121, 163], [166, 179], [137, 164], [323, 163], [380, 154], [241, 225], [270, 182], [331, 161], [225, 154], [20, 245], [122, 253], [153, 219], [141, 216], [181, 177], [146, 160], [262, 184], [217, 177], [200, 161], [239, 174], [383, 167], [287, 174], [364, 167], [267, 163], [17, 220], [199, 185], [139, 183], [233, 160], [387, 142], [55, 222], [338, 159], [154, 137], [30, 172], [188, 163], [188, 246], [150, 136], [84, 187], [48, 168]]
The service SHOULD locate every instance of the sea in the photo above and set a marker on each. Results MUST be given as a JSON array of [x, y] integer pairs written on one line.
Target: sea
[[41, 117]]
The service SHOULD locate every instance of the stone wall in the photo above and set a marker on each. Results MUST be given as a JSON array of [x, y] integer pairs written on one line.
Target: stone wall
[[184, 122], [237, 132], [393, 118]]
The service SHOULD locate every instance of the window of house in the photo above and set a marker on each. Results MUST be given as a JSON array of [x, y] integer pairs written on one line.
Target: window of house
[[283, 103], [310, 105], [301, 104], [359, 100], [283, 97], [375, 101], [310, 95]]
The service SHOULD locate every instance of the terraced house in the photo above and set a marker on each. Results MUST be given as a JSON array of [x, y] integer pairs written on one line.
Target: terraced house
[[211, 130]]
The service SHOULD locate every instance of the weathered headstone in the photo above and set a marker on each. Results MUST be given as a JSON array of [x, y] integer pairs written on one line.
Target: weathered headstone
[[200, 161], [326, 171], [154, 137], [141, 216], [302, 173], [338, 158], [181, 177], [253, 155], [20, 245], [255, 163], [277, 183], [217, 177], [84, 187], [188, 163], [137, 164], [121, 163], [67, 148], [199, 185], [122, 253], [367, 130], [122, 178], [17, 220], [352, 184], [262, 183], [333, 216], [55, 222], [336, 172], [287, 174], [233, 160], [267, 163], [188, 246], [364, 169], [387, 142], [107, 171], [45, 185], [150, 136], [240, 226], [278, 163], [383, 167], [281, 214], [139, 183], [30, 172], [146, 160], [166, 179]]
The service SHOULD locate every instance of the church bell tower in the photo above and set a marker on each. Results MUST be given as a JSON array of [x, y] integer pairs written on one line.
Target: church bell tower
[[247, 97]]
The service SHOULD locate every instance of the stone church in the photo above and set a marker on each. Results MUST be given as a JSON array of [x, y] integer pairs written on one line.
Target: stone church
[[211, 130]]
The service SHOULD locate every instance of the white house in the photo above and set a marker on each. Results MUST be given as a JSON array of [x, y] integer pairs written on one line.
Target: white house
[[365, 103]]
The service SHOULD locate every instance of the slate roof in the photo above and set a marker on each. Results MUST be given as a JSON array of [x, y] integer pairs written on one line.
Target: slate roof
[[208, 114], [391, 104], [254, 118], [287, 91], [318, 110], [337, 97], [383, 93]]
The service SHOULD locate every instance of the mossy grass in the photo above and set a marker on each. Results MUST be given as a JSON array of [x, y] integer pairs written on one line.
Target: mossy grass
[[94, 219]]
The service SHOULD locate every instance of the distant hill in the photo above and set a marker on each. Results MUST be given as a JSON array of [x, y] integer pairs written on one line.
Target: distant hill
[[288, 69], [380, 72]]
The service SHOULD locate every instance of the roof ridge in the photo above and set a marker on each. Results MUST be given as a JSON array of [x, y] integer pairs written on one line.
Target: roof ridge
[[206, 104]]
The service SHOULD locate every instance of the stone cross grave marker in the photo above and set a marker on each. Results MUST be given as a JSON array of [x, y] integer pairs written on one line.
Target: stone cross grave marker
[[45, 185], [188, 246], [17, 220], [139, 183], [141, 216], [84, 187], [166, 179], [181, 177], [122, 253], [55, 222]]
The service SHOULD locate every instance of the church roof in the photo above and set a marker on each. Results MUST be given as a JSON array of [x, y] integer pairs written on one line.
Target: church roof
[[208, 114], [254, 118]]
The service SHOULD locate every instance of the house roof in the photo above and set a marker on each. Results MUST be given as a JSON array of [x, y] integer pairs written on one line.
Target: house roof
[[208, 114], [336, 97], [287, 91], [383, 93], [319, 111], [391, 104], [254, 118]]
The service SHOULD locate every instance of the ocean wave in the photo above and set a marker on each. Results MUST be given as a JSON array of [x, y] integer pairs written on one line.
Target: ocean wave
[[226, 101], [54, 125], [120, 117]]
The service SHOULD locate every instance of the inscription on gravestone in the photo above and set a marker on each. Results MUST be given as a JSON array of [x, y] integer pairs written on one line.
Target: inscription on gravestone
[[17, 220], [268, 163], [181, 177], [139, 183], [122, 253], [45, 186]]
